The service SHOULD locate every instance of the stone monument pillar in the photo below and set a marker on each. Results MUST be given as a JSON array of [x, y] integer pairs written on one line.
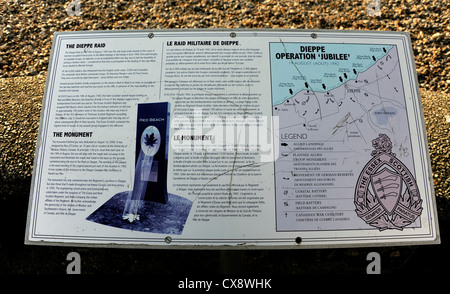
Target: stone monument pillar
[[152, 147]]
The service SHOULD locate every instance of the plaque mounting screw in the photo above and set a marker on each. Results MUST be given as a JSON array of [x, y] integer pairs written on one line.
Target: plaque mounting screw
[[168, 239], [298, 240], [151, 35], [233, 35], [314, 35]]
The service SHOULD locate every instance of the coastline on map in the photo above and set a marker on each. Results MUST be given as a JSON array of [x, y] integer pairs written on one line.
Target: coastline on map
[[292, 73]]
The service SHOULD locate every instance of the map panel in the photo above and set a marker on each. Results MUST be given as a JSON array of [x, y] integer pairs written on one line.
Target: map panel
[[333, 101]]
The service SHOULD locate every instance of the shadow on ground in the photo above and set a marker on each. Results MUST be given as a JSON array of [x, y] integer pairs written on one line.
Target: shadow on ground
[[17, 258]]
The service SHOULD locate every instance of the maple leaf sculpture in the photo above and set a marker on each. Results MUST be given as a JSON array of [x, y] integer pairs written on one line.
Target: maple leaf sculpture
[[150, 140]]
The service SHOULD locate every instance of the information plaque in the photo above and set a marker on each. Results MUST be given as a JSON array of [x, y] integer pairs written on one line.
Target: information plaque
[[232, 139]]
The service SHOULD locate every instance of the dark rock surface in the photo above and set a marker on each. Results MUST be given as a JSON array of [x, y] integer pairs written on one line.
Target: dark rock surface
[[154, 217]]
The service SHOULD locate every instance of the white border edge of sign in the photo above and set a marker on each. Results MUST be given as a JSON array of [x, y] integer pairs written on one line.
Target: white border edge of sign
[[428, 241]]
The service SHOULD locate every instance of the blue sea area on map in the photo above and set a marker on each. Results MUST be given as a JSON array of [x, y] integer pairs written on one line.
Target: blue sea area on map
[[319, 67]]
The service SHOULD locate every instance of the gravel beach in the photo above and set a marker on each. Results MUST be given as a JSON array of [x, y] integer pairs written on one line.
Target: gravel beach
[[26, 33], [27, 28]]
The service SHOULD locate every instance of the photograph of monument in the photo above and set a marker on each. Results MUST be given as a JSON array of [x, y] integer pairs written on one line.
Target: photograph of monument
[[148, 207]]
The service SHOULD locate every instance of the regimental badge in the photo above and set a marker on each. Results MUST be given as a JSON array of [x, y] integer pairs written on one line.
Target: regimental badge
[[386, 194]]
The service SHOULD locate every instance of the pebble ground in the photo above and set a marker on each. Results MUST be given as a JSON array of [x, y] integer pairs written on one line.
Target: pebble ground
[[26, 32], [27, 28]]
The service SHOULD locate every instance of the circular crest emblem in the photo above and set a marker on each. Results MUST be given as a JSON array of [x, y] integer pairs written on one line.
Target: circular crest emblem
[[386, 194]]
